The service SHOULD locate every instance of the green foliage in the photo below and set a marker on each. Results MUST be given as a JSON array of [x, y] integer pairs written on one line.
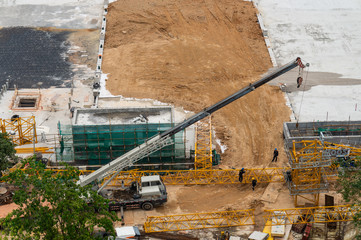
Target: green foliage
[[349, 183], [52, 206], [7, 151]]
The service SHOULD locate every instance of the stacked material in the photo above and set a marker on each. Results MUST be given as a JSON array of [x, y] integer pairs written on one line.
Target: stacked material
[[278, 230]]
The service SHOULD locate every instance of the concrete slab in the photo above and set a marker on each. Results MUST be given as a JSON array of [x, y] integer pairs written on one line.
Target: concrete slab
[[323, 33], [271, 193], [53, 107], [123, 116], [71, 14]]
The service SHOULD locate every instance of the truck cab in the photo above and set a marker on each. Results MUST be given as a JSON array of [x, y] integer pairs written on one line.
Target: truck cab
[[150, 192], [151, 185]]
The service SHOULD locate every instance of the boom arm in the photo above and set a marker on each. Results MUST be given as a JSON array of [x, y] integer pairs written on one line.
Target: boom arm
[[233, 97], [164, 139]]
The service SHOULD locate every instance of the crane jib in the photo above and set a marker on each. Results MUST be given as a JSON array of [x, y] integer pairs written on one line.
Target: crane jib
[[164, 139], [207, 111]]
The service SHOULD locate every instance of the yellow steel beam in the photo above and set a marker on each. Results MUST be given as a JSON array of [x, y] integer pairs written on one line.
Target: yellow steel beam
[[246, 217], [203, 145], [311, 151], [195, 177], [333, 146], [199, 177], [37, 149], [310, 198], [202, 177], [312, 214], [56, 171], [199, 221], [24, 130]]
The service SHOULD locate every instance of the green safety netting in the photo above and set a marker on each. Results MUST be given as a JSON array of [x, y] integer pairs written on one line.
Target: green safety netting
[[99, 144], [337, 129]]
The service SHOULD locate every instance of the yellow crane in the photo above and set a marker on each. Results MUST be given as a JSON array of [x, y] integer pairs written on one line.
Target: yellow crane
[[246, 217], [201, 177], [313, 164], [199, 221], [203, 144], [319, 214], [21, 130]]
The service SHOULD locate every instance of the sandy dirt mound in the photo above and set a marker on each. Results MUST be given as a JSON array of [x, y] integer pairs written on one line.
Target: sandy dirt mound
[[192, 54]]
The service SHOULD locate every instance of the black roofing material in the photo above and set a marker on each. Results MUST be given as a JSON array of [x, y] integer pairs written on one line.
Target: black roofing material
[[32, 58]]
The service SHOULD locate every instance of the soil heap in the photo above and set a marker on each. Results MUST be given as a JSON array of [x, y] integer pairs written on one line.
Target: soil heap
[[193, 53]]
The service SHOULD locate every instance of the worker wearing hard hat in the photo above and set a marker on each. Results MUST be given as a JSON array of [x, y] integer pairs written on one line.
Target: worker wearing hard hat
[[240, 177], [254, 183], [275, 155]]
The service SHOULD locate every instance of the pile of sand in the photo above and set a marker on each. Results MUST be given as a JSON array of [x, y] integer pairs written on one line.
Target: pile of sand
[[192, 54]]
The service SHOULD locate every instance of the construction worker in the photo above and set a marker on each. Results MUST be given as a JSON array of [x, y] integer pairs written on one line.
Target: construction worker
[[275, 155], [289, 176], [299, 81], [241, 172], [254, 183]]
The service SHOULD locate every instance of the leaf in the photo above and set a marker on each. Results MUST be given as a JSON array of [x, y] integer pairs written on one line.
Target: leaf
[[53, 206]]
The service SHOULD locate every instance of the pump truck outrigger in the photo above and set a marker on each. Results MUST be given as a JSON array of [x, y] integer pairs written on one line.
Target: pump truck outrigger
[[161, 140]]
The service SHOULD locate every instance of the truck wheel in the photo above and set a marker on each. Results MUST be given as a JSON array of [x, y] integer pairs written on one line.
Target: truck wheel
[[147, 206]]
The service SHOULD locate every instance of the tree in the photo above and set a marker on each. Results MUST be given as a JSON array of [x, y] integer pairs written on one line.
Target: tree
[[52, 206], [349, 183], [7, 151]]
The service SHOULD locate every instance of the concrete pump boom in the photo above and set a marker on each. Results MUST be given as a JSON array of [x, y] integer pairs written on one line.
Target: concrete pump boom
[[164, 139]]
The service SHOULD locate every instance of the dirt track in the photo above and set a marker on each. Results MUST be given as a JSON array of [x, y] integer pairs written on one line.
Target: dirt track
[[192, 54]]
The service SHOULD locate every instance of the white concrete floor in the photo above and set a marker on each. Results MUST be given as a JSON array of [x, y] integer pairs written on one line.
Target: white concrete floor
[[71, 14], [327, 34]]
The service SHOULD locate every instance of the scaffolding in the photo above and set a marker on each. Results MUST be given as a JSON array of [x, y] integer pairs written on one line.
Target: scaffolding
[[96, 145], [20, 130], [305, 179], [203, 144], [313, 163]]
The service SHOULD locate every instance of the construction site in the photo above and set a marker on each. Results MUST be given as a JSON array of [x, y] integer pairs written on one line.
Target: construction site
[[223, 100]]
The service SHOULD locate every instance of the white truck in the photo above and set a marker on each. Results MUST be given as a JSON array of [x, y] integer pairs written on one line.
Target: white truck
[[150, 192]]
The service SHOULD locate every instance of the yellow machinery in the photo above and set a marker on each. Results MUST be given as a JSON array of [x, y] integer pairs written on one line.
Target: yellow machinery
[[340, 213], [203, 144], [21, 130], [268, 229], [246, 217], [316, 153], [212, 176], [313, 163], [199, 221], [201, 177], [46, 150]]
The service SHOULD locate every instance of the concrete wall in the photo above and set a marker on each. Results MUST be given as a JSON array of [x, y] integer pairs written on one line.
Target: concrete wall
[[348, 132]]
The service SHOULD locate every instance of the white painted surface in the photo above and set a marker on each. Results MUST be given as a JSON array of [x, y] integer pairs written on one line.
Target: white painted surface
[[223, 147], [72, 14], [323, 103], [48, 2], [92, 118], [278, 230], [325, 33]]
